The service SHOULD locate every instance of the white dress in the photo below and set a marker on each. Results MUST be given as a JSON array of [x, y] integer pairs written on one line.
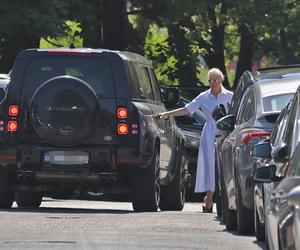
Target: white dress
[[207, 102]]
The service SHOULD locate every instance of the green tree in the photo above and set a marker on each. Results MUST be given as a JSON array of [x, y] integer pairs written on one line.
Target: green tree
[[23, 23]]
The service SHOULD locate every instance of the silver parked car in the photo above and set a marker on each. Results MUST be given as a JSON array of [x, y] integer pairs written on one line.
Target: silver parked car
[[282, 198], [257, 113]]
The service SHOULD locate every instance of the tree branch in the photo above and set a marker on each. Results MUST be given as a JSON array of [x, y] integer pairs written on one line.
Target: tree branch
[[52, 43]]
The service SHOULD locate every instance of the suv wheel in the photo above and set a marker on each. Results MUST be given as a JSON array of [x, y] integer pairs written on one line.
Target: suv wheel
[[245, 218], [146, 187], [6, 194], [28, 199], [173, 195]]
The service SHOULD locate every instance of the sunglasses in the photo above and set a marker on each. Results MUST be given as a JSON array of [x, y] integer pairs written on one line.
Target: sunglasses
[[212, 80]]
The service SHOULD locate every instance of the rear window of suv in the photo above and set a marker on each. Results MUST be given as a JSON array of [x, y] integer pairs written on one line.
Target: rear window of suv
[[96, 72]]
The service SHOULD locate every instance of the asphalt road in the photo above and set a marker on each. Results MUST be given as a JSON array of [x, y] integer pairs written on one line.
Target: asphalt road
[[74, 224]]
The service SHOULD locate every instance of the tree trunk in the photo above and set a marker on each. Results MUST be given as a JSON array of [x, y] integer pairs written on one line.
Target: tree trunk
[[216, 57], [246, 52], [286, 55], [113, 24], [91, 34]]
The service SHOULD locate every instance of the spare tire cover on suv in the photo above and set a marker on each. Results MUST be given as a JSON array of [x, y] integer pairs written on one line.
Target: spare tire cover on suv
[[64, 110]]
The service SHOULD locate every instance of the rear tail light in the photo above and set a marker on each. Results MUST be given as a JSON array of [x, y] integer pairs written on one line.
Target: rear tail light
[[12, 126], [122, 129], [13, 110], [247, 137], [122, 113]]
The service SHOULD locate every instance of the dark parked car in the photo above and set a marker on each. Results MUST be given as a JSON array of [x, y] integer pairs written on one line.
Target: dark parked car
[[282, 175], [256, 115], [83, 119], [191, 126]]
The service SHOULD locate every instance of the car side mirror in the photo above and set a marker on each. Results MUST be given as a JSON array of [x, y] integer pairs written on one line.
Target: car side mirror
[[170, 96], [226, 123], [265, 174], [280, 153], [262, 150]]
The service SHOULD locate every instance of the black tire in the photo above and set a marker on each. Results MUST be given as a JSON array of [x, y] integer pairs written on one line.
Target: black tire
[[217, 195], [245, 217], [146, 187], [173, 196], [259, 227], [28, 199], [229, 215], [6, 193]]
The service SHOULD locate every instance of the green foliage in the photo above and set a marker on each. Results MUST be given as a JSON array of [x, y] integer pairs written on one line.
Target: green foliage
[[71, 37], [157, 50]]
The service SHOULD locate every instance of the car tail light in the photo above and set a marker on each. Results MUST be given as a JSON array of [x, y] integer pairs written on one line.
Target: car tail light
[[122, 113], [12, 126], [122, 129], [247, 137], [13, 110]]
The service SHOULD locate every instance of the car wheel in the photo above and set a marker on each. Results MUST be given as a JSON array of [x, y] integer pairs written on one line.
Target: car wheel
[[229, 215], [245, 218], [28, 199], [146, 187], [217, 195], [259, 227], [6, 193], [173, 195]]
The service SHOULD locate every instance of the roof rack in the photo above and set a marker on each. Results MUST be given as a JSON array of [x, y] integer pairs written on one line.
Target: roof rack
[[280, 67]]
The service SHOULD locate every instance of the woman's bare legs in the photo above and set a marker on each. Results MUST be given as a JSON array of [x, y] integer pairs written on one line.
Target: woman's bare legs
[[208, 199]]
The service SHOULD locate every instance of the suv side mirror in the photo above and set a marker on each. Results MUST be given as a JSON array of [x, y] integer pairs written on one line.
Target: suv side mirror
[[170, 96], [280, 153], [226, 123], [265, 174], [262, 150]]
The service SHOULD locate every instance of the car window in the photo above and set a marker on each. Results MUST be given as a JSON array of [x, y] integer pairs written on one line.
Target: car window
[[280, 126], [132, 80], [276, 102], [236, 98], [296, 132], [155, 86], [145, 83], [94, 71], [247, 108], [288, 138]]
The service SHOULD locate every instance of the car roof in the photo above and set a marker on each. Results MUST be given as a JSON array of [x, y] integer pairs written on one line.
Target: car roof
[[280, 72], [124, 55], [275, 86]]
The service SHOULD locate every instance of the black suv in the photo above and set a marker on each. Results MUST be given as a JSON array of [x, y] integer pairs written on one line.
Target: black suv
[[77, 120]]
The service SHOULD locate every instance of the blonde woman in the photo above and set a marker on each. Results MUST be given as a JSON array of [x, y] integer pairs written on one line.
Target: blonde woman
[[207, 101]]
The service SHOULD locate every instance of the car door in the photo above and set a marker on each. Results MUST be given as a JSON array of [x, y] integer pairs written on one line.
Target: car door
[[150, 89]]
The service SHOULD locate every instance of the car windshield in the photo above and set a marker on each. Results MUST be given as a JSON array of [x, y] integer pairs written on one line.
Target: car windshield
[[276, 102], [94, 71]]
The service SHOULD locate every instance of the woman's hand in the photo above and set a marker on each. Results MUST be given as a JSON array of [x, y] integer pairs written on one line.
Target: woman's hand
[[163, 115]]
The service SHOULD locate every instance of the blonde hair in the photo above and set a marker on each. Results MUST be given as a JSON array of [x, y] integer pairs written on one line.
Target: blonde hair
[[216, 71]]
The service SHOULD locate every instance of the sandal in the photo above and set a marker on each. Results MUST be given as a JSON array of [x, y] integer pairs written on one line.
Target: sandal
[[206, 209]]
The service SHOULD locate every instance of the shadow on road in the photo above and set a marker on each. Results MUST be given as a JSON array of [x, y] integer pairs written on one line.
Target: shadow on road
[[260, 244]]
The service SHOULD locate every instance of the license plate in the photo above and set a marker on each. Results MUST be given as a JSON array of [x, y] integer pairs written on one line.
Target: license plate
[[66, 157]]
